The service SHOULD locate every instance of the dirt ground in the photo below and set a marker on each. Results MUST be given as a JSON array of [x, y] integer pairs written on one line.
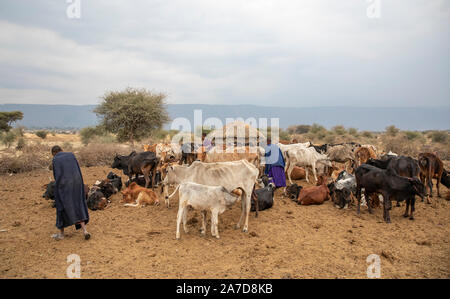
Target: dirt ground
[[287, 241]]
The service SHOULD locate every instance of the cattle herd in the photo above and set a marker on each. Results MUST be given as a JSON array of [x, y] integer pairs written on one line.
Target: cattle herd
[[346, 174]]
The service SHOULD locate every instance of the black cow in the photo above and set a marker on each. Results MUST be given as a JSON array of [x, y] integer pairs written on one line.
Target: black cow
[[389, 184], [50, 192], [138, 163], [264, 196], [445, 179], [293, 191], [321, 149], [115, 180], [96, 199], [404, 166], [188, 153]]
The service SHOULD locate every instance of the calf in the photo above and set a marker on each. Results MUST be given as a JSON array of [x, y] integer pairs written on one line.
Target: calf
[[363, 154], [389, 184], [315, 195], [115, 180], [203, 198], [293, 191], [50, 192], [298, 173], [139, 195], [431, 167], [264, 198], [96, 199]]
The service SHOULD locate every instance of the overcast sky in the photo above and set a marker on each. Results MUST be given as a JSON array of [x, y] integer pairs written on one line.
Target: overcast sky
[[272, 53]]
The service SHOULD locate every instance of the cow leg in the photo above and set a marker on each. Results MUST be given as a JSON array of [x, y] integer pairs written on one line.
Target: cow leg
[[186, 230], [216, 224], [289, 174], [247, 211], [203, 229], [358, 196], [438, 180], [314, 172], [165, 189], [179, 217], [413, 208], [387, 207], [243, 207], [255, 199], [407, 207], [368, 202]]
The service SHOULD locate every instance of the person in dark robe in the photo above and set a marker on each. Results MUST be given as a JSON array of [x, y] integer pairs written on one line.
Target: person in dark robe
[[70, 200], [274, 164]]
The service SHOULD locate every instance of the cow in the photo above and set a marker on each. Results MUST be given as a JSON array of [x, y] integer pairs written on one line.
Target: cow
[[49, 193], [285, 147], [231, 175], [150, 147], [168, 152], [203, 198], [140, 195], [264, 196], [292, 191], [306, 157], [363, 154], [188, 153], [445, 179], [343, 189], [138, 163], [220, 154], [321, 149], [314, 195], [403, 166], [431, 167], [342, 154], [389, 184], [115, 180], [298, 173], [96, 199]]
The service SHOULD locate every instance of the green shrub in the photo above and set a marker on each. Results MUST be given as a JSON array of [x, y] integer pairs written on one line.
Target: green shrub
[[339, 130], [412, 135], [89, 133], [367, 134], [353, 132], [41, 134], [8, 138], [439, 136], [315, 128], [392, 131]]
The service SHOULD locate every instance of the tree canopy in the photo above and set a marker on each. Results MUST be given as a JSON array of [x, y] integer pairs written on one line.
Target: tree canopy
[[132, 114], [7, 118]]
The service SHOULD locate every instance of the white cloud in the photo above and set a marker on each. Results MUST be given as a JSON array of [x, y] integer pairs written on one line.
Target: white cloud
[[289, 53]]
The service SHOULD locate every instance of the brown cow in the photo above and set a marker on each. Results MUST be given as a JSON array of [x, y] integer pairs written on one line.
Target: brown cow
[[298, 173], [138, 195], [315, 195], [430, 167], [363, 154], [150, 147]]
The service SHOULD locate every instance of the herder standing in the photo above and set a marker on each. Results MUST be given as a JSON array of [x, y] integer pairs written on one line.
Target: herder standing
[[70, 200]]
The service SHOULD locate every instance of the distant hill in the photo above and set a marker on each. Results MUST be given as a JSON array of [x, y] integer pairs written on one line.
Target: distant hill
[[372, 119]]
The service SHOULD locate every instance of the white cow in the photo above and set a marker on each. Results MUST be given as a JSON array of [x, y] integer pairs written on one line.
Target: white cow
[[231, 175], [305, 157], [285, 147], [203, 198]]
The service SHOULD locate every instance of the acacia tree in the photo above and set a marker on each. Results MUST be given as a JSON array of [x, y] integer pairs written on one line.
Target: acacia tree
[[7, 118], [132, 114]]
